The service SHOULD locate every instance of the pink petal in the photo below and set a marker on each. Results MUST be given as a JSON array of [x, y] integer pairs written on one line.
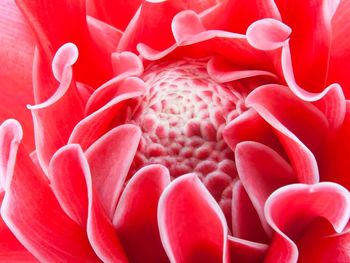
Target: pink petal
[[55, 118], [236, 15], [11, 250], [35, 217], [16, 59], [135, 218], [126, 64], [295, 122], [57, 22], [222, 71], [70, 168], [245, 220], [249, 126], [261, 171], [67, 176], [292, 208], [118, 97], [110, 158], [268, 34], [191, 224], [116, 13], [244, 251], [310, 41]]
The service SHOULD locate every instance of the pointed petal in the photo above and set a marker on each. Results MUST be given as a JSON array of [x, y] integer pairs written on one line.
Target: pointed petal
[[36, 218], [110, 158], [191, 224], [291, 209], [135, 218], [55, 118]]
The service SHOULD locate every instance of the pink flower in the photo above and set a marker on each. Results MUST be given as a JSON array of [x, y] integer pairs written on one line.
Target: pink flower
[[175, 131]]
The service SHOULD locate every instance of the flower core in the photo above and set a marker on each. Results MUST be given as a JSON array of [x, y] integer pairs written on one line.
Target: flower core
[[182, 117]]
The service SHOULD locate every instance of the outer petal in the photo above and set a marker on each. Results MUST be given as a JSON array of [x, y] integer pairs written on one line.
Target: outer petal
[[11, 250], [261, 171], [16, 59], [35, 217], [310, 41], [292, 208], [110, 158], [57, 22], [295, 122], [55, 119], [245, 220], [69, 166], [340, 52], [191, 224], [135, 218]]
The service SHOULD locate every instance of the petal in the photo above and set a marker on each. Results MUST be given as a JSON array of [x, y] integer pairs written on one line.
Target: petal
[[16, 59], [191, 224], [244, 251], [245, 220], [310, 41], [236, 15], [135, 218], [340, 52], [115, 13], [292, 208], [268, 34], [110, 158], [295, 122], [118, 96], [36, 218], [59, 22], [55, 118], [80, 202], [261, 171]]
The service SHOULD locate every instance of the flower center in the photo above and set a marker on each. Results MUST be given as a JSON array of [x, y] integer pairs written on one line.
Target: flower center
[[182, 118]]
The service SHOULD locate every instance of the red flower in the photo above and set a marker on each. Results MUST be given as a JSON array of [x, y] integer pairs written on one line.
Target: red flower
[[181, 131]]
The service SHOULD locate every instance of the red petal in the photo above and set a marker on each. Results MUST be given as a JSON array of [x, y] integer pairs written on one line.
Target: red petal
[[70, 167], [16, 59], [340, 52], [244, 251], [110, 158], [245, 220], [191, 224], [292, 208], [261, 171], [117, 95], [58, 22], [295, 122], [135, 218], [310, 41], [55, 118], [36, 218]]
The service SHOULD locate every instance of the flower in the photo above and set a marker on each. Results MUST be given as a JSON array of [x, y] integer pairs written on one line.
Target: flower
[[181, 131]]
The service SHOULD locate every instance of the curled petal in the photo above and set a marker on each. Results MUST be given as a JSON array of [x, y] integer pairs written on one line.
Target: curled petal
[[244, 251], [126, 64], [180, 28], [55, 118], [291, 209], [191, 224], [135, 218], [268, 34], [42, 227]]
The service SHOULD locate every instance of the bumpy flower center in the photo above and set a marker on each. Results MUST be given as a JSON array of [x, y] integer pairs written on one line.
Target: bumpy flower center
[[182, 118]]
